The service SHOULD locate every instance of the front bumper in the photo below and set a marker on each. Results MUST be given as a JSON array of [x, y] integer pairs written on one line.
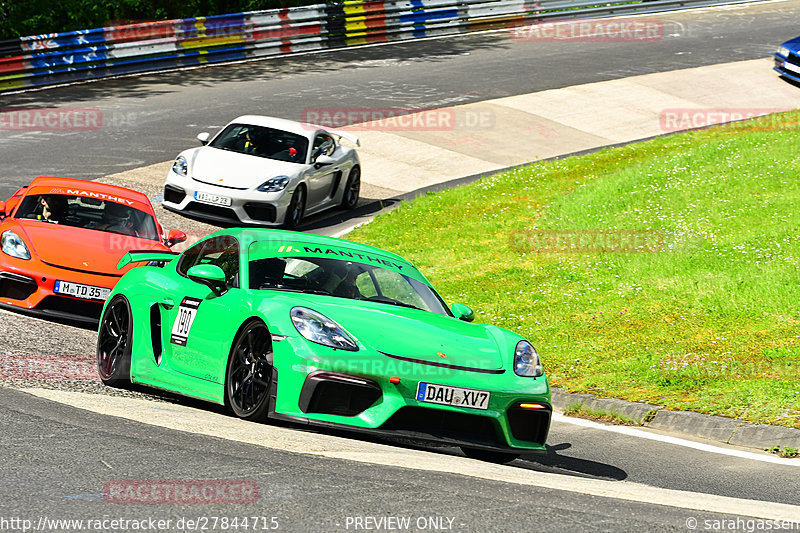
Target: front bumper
[[29, 286], [788, 67], [247, 206], [353, 390]]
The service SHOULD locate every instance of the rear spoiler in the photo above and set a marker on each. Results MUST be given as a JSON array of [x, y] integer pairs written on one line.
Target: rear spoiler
[[347, 135], [145, 256]]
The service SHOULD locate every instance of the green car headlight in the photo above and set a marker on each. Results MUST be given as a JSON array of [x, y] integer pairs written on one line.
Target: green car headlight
[[526, 361], [13, 245], [318, 328]]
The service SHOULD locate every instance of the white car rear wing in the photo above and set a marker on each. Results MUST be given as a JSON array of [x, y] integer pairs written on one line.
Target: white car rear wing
[[339, 133], [349, 136]]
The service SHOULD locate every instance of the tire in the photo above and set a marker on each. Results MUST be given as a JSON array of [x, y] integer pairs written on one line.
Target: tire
[[489, 456], [352, 189], [296, 209], [249, 374], [114, 343]]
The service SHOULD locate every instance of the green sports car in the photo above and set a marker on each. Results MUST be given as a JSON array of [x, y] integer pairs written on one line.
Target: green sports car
[[322, 331]]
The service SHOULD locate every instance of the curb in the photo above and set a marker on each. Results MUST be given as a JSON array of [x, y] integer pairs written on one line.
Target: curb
[[716, 428]]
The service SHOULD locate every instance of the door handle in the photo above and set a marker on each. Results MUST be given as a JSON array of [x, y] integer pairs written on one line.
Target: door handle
[[168, 303]]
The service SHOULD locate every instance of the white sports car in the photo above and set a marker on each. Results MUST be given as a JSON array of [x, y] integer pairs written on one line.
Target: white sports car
[[264, 171]]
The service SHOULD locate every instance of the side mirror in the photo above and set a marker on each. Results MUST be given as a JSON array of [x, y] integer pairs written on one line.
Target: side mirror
[[463, 312], [174, 236], [2, 210], [203, 137], [323, 159], [210, 275]]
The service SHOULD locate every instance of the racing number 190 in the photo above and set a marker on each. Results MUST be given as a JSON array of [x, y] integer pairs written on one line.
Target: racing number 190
[[183, 321], [185, 317]]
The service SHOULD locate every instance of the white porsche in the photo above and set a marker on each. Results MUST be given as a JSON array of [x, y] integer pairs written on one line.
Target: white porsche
[[264, 171]]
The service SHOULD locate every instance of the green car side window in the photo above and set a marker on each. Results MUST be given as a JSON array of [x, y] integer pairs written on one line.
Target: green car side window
[[221, 251]]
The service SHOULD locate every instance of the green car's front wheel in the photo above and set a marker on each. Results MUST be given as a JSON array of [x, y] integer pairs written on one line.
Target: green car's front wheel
[[114, 343], [247, 381]]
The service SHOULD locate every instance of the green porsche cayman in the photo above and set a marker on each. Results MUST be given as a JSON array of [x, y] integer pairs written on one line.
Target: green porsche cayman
[[322, 331]]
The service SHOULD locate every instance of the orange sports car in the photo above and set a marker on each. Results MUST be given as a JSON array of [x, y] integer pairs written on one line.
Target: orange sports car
[[61, 240]]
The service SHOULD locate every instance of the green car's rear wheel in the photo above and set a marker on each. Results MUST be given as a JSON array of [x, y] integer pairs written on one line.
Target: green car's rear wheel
[[247, 381], [489, 455], [114, 343]]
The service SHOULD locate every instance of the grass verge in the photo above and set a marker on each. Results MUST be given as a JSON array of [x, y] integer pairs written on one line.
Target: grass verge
[[664, 271], [579, 411]]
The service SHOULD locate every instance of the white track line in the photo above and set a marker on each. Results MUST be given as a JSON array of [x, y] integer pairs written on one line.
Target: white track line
[[642, 434]]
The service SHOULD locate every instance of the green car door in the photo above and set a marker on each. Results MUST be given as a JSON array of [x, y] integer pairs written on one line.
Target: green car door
[[194, 353]]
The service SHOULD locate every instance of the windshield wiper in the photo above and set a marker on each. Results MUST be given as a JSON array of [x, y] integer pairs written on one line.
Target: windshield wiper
[[387, 300], [295, 289]]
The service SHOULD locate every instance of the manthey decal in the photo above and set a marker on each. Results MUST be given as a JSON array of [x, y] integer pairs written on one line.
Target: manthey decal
[[183, 322], [92, 194], [364, 258]]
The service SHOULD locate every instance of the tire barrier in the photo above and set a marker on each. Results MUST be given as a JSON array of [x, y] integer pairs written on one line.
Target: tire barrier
[[56, 58]]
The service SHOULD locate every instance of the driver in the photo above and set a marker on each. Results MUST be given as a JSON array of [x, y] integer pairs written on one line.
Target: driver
[[342, 280], [53, 208], [266, 272], [251, 143], [117, 218]]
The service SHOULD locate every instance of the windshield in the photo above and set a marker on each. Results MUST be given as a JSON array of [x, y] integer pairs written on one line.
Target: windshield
[[344, 279], [262, 142], [88, 213]]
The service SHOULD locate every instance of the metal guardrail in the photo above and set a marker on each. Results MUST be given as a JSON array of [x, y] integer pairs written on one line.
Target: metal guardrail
[[48, 59]]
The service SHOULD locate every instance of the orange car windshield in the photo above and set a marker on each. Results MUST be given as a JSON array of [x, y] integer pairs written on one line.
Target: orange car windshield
[[88, 213]]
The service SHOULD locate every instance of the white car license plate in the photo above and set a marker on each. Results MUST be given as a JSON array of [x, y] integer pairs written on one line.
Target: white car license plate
[[212, 198], [790, 66], [78, 290], [446, 395]]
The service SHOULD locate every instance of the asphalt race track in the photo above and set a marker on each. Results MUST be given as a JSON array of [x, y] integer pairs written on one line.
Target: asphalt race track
[[149, 119], [62, 446]]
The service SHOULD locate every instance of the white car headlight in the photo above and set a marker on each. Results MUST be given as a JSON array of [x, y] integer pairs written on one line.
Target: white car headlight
[[180, 166], [526, 361], [318, 328], [278, 183], [782, 50], [13, 245]]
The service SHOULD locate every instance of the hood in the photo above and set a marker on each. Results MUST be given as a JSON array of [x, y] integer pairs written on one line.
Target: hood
[[793, 44], [231, 169], [421, 335], [99, 251]]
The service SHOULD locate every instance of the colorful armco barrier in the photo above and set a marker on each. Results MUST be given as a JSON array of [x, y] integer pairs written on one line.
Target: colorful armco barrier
[[49, 59]]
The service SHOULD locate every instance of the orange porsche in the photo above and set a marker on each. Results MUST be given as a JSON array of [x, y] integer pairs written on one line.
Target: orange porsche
[[61, 240]]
